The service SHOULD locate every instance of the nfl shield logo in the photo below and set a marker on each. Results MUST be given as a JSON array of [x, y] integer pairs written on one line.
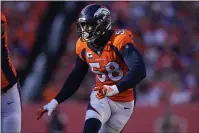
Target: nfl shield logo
[[89, 55]]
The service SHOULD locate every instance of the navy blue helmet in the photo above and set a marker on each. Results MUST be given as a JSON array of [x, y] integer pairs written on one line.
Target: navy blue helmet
[[94, 21]]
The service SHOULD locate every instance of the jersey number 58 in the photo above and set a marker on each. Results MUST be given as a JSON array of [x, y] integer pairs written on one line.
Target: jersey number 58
[[111, 68]]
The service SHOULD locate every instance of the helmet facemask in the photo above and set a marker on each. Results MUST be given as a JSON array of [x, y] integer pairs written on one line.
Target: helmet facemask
[[90, 30]]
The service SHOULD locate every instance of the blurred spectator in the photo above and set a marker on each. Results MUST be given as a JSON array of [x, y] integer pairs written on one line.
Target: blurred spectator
[[170, 123], [23, 18]]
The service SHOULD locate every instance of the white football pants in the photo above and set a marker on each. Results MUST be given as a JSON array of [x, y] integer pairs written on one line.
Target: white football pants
[[113, 115], [11, 111]]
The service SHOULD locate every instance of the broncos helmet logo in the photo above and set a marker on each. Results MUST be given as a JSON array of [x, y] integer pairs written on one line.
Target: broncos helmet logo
[[102, 11]]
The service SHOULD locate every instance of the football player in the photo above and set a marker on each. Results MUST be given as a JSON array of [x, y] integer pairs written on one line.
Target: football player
[[10, 96], [117, 64]]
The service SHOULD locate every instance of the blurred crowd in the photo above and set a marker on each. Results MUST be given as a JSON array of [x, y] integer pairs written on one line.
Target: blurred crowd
[[23, 20], [166, 33]]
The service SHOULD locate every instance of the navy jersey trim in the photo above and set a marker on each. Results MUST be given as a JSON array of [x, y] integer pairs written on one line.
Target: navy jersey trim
[[83, 54], [90, 107], [115, 49]]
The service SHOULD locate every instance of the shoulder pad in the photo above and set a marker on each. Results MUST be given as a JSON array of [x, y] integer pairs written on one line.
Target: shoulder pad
[[79, 47], [121, 38]]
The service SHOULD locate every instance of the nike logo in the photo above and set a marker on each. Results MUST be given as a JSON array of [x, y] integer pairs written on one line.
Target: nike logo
[[126, 108], [10, 102]]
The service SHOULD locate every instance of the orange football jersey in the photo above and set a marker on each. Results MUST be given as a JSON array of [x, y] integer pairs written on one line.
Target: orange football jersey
[[8, 72], [108, 64]]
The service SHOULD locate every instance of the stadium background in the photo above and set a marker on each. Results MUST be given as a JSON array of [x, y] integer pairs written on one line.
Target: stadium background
[[42, 37]]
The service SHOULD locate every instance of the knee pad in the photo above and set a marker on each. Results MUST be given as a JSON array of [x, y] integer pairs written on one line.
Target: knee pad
[[92, 125]]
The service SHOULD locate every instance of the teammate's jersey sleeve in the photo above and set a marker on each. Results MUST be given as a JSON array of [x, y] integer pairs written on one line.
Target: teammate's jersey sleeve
[[123, 37], [3, 18], [80, 49]]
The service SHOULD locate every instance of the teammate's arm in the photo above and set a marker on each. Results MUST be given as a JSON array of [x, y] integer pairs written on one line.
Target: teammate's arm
[[70, 86], [2, 28], [137, 70]]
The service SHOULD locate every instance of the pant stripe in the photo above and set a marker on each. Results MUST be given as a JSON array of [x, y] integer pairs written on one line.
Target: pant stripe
[[19, 90], [90, 107]]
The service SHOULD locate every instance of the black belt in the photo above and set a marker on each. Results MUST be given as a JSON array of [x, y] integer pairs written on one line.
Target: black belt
[[4, 90]]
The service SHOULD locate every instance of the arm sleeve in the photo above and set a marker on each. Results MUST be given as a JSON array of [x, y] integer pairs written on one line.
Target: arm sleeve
[[135, 63], [73, 81]]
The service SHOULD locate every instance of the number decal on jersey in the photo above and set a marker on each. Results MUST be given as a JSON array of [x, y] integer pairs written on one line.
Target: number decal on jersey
[[119, 32], [112, 68], [101, 76]]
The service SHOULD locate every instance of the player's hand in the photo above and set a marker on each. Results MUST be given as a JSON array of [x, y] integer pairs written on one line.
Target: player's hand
[[106, 90], [50, 107], [101, 92]]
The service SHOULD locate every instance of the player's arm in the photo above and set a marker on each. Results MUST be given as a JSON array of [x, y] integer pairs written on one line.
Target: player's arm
[[70, 86], [73, 81], [135, 63], [2, 28]]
